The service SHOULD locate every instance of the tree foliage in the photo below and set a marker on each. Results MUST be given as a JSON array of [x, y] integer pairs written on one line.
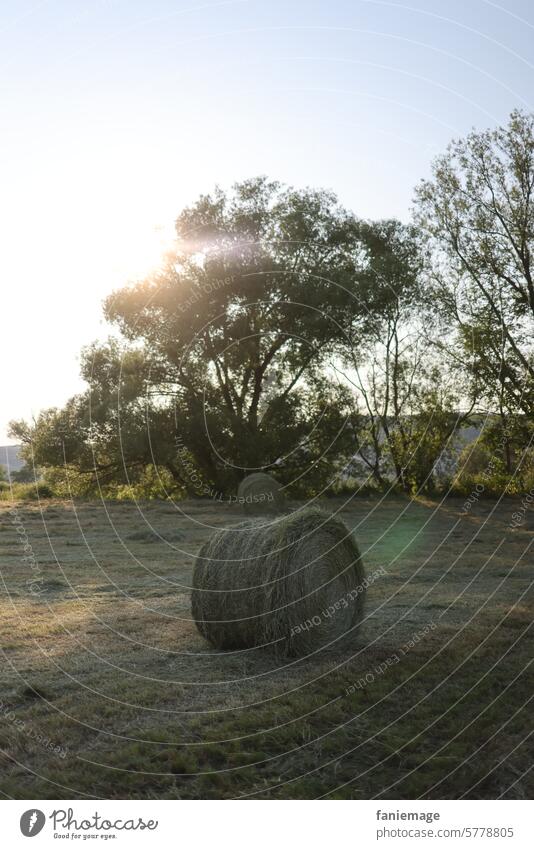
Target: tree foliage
[[282, 333], [224, 352], [409, 408], [477, 210]]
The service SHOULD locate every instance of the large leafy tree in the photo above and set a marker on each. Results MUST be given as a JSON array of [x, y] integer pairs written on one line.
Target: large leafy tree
[[223, 365], [477, 210]]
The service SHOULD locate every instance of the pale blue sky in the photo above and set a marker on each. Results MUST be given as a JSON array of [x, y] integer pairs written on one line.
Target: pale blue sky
[[117, 112]]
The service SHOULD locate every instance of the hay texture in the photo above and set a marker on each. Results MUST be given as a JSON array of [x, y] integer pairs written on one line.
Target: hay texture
[[260, 493], [295, 585]]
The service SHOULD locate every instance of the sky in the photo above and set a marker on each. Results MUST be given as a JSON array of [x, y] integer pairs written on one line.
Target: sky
[[117, 113]]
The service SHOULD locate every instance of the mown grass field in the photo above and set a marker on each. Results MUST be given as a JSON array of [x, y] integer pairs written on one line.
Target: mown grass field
[[108, 691]]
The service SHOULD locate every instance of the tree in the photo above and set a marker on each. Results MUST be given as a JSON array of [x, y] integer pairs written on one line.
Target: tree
[[411, 417], [99, 438], [477, 211], [239, 321], [223, 363], [408, 404]]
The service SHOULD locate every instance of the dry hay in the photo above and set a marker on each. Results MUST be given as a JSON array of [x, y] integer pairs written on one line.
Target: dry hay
[[152, 535], [260, 493], [296, 585]]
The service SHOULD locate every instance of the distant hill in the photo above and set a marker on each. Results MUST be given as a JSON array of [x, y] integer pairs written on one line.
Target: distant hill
[[10, 457]]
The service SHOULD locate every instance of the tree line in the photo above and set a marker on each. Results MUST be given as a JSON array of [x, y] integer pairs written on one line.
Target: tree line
[[283, 333]]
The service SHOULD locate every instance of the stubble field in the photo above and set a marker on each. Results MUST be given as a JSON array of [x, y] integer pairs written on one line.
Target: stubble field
[[108, 690]]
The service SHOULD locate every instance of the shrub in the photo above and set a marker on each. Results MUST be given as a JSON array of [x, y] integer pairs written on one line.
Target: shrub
[[26, 492], [153, 482], [483, 469]]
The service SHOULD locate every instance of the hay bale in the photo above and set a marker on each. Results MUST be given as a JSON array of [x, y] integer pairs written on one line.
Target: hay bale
[[295, 585], [260, 493]]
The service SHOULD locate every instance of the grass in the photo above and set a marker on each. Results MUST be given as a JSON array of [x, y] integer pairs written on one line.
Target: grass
[[108, 691]]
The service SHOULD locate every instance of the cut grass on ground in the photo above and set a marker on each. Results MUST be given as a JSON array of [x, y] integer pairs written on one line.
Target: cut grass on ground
[[108, 691]]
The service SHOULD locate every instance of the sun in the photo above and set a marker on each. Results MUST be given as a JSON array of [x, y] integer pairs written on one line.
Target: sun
[[136, 248]]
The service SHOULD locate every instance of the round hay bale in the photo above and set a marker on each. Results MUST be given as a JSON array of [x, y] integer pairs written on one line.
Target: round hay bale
[[295, 585], [260, 493]]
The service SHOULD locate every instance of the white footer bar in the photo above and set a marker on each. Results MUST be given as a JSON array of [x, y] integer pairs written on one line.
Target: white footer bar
[[269, 824]]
